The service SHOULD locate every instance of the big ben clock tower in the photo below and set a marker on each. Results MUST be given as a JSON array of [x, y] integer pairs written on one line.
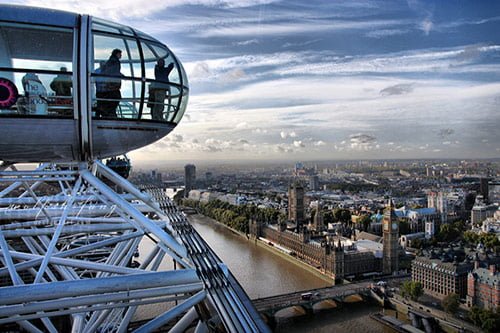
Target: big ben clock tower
[[390, 226]]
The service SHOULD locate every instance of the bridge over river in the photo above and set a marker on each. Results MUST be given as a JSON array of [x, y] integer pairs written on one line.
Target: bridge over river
[[270, 305]]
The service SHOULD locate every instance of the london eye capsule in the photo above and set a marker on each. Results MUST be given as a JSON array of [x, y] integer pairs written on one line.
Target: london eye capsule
[[74, 87]]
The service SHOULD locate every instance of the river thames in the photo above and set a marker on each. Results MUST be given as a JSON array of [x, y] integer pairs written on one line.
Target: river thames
[[262, 274]]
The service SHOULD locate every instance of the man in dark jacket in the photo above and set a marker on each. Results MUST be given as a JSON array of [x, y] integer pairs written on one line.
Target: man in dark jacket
[[110, 93], [159, 90]]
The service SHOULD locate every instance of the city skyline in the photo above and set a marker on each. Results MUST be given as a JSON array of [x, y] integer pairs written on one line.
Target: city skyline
[[292, 81]]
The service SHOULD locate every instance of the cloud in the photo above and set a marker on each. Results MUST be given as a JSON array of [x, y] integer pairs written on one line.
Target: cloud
[[362, 138], [445, 132], [176, 138], [319, 143], [242, 125], [302, 44], [386, 33], [259, 131], [285, 134], [362, 141], [200, 70], [426, 26], [283, 149], [398, 89], [233, 75], [246, 42], [118, 9], [298, 144]]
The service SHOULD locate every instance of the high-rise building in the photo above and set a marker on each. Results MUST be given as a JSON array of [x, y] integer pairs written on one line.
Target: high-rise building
[[189, 178], [208, 176], [390, 227], [296, 204], [314, 183], [494, 191], [483, 188]]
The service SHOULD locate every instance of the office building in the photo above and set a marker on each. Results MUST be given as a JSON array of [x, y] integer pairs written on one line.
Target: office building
[[296, 211], [189, 178]]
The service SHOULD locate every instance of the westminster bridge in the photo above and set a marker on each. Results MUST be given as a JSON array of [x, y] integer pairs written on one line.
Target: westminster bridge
[[306, 299]]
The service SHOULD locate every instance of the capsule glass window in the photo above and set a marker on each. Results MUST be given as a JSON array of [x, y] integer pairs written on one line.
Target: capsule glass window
[[116, 77], [36, 70]]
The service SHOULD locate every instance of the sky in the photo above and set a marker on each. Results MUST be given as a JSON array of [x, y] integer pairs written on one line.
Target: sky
[[324, 80]]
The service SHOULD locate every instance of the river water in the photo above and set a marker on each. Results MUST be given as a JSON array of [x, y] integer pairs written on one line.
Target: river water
[[262, 273]]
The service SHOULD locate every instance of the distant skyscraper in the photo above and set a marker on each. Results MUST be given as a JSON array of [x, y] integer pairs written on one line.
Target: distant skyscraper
[[494, 191], [189, 178], [390, 227], [314, 183], [296, 204], [208, 176], [483, 188]]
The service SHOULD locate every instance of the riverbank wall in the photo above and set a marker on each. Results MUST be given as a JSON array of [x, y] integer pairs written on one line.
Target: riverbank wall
[[313, 270]]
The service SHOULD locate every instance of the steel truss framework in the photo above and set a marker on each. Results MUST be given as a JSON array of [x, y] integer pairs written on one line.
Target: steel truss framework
[[69, 234]]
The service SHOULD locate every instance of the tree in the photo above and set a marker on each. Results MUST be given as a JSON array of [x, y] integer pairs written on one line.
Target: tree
[[451, 303], [364, 222], [342, 215], [412, 289], [471, 238], [404, 228], [328, 217], [488, 320]]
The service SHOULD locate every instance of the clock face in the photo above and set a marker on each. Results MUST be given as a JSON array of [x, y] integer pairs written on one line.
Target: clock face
[[394, 226]]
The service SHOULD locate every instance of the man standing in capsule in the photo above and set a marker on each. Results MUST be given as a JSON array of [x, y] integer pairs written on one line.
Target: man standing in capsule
[[111, 87], [158, 90]]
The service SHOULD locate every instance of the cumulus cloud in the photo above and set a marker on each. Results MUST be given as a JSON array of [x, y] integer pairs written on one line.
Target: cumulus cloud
[[319, 143], [259, 131], [283, 149], [201, 71], [398, 89], [299, 144], [362, 141], [285, 134]]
